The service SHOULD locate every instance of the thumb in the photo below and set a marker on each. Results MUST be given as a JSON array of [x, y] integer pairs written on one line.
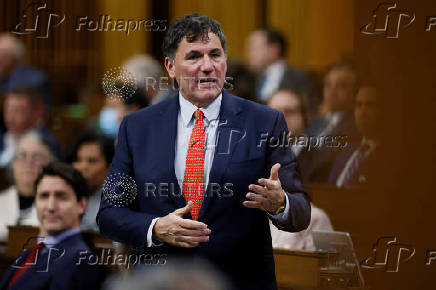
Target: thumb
[[184, 210], [275, 172]]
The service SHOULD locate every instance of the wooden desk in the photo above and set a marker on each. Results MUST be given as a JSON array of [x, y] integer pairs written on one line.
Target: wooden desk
[[298, 269]]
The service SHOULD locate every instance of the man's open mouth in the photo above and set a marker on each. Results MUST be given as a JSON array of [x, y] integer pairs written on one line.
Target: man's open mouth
[[207, 80]]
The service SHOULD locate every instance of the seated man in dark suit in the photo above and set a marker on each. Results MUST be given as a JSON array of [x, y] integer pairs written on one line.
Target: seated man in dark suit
[[266, 55], [336, 122], [353, 165], [56, 261]]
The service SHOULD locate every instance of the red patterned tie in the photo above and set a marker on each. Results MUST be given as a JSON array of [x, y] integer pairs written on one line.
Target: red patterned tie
[[31, 258], [193, 182]]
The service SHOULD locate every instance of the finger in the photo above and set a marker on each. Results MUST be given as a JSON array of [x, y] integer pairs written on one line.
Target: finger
[[257, 189], [184, 210], [270, 184], [256, 197], [192, 225], [193, 233], [189, 239], [186, 245], [252, 204], [275, 171]]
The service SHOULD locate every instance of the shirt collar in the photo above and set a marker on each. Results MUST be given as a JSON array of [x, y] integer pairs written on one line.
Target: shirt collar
[[53, 240], [211, 111], [371, 143], [279, 65]]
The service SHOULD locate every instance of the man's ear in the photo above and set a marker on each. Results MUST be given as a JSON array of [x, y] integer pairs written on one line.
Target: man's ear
[[83, 202], [169, 65]]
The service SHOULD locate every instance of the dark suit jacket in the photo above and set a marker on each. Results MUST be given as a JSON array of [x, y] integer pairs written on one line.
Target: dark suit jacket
[[240, 242], [57, 269], [364, 173], [316, 163]]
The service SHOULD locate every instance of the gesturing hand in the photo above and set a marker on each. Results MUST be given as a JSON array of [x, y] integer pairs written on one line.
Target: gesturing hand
[[269, 195], [175, 230]]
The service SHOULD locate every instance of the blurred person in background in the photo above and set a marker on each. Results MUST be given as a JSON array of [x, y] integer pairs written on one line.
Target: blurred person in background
[[17, 202], [116, 107], [147, 73], [61, 258], [92, 156], [181, 275], [265, 54], [293, 105], [240, 80], [354, 165], [303, 241], [336, 119], [14, 72], [23, 110]]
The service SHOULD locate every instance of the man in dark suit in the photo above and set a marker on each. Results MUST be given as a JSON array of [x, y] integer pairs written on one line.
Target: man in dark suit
[[336, 121], [207, 166], [57, 261], [266, 51], [355, 165]]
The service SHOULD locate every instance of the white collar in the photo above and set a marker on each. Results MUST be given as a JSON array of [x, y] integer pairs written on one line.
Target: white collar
[[211, 111]]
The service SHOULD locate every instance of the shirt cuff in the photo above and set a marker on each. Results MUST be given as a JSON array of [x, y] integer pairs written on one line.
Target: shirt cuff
[[150, 235], [282, 216]]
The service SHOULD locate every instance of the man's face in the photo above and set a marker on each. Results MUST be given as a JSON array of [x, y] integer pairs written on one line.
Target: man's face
[[366, 111], [338, 89], [91, 162], [199, 68], [259, 53], [30, 157], [57, 206], [18, 114], [289, 104]]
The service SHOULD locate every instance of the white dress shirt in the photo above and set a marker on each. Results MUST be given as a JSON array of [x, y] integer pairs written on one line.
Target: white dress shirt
[[274, 75]]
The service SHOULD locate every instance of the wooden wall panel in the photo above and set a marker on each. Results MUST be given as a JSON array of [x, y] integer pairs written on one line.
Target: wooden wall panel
[[319, 31], [117, 45], [237, 19]]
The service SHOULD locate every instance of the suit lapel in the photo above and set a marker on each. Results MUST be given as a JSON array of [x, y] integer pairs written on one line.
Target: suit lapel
[[167, 130], [21, 257], [229, 131]]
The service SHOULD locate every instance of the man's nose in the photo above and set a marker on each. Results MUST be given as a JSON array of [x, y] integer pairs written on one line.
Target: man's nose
[[206, 64], [51, 203]]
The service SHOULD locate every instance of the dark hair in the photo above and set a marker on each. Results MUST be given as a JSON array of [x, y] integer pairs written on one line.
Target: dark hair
[[301, 97], [275, 37], [137, 98], [348, 65], [33, 94], [106, 145], [191, 26], [71, 175]]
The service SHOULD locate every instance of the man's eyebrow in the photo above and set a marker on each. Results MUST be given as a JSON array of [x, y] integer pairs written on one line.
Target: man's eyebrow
[[60, 192], [215, 50], [192, 53]]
